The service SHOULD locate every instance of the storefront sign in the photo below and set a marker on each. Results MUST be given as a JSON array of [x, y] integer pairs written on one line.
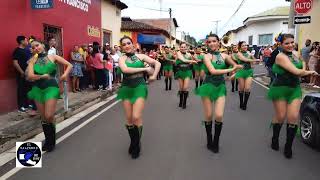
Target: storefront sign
[[93, 31], [80, 4], [41, 4]]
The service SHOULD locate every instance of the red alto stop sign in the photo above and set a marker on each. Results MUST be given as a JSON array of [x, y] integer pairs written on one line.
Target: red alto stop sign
[[302, 6]]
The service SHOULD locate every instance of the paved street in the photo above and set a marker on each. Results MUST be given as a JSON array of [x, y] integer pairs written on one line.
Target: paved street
[[174, 145]]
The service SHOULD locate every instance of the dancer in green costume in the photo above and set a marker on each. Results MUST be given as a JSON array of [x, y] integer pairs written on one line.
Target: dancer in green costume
[[134, 91], [169, 60], [234, 81], [285, 92], [184, 73], [244, 75], [45, 92], [213, 89], [199, 67]]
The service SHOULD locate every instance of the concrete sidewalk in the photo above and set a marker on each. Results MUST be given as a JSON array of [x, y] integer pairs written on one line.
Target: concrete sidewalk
[[265, 80], [16, 126]]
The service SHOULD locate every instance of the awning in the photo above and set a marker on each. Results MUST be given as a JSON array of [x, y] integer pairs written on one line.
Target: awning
[[151, 39]]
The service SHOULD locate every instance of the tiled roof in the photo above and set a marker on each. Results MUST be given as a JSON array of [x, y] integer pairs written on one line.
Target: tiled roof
[[129, 25]]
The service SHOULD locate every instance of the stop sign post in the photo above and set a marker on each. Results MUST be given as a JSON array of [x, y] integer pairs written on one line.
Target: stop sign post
[[302, 6]]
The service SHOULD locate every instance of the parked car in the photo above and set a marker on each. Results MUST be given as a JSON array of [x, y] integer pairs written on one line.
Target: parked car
[[310, 120]]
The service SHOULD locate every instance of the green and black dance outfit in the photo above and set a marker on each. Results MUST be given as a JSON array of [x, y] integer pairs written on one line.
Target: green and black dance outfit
[[213, 87], [199, 67], [168, 67], [246, 72], [286, 86], [44, 90], [234, 82], [183, 72], [133, 87]]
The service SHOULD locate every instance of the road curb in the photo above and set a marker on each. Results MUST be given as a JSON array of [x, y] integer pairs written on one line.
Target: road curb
[[30, 127]]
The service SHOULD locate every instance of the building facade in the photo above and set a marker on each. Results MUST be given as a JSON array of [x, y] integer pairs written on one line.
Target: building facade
[[261, 29], [111, 21], [69, 23]]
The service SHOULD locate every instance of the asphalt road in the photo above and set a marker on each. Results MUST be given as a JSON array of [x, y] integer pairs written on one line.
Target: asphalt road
[[174, 145]]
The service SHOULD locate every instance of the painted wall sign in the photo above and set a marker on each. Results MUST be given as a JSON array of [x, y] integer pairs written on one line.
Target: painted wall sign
[[93, 31], [41, 4], [80, 4]]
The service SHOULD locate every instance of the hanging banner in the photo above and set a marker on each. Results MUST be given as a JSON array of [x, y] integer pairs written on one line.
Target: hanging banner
[[41, 4]]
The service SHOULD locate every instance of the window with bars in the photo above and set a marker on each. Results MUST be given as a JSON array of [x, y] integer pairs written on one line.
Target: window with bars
[[50, 31], [250, 39], [265, 39]]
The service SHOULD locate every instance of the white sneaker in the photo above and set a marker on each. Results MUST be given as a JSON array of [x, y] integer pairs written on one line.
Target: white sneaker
[[315, 86]]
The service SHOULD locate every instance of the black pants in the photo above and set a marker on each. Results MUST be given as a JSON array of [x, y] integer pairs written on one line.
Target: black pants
[[101, 79], [22, 90], [84, 80]]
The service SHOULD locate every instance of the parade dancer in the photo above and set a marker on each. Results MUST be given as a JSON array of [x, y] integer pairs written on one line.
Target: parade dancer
[[244, 75], [213, 90], [169, 59], [234, 82], [285, 92], [199, 67], [45, 92], [184, 73], [134, 91]]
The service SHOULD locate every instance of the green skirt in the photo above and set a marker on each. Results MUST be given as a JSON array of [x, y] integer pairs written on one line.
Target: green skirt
[[132, 93], [183, 74], [43, 95], [284, 93], [244, 73], [211, 91], [168, 67]]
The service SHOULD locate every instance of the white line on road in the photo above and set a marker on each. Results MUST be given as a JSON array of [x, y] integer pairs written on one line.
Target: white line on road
[[260, 84], [11, 154]]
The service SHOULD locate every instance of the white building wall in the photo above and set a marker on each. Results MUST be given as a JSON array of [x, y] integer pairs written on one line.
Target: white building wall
[[273, 27], [111, 21]]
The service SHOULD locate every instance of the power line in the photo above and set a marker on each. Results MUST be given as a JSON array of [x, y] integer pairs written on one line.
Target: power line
[[240, 5]]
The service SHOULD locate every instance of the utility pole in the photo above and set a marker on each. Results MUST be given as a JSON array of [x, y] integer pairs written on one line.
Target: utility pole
[[170, 14], [217, 23], [291, 26]]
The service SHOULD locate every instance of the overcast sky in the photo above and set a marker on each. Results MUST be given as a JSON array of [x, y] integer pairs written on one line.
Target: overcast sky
[[196, 16]]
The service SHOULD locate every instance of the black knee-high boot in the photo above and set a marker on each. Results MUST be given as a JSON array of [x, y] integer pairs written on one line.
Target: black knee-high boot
[[237, 83], [49, 131], [245, 101], [217, 132], [185, 97], [131, 134], [166, 81], [170, 82], [201, 81], [181, 98], [232, 85], [197, 83], [241, 99], [208, 125], [291, 133], [135, 143], [275, 138]]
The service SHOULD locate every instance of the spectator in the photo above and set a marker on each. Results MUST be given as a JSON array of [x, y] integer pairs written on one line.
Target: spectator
[[20, 58], [90, 69], [267, 53], [116, 71], [98, 64], [52, 46], [84, 80], [117, 50], [313, 63], [305, 52], [76, 73]]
